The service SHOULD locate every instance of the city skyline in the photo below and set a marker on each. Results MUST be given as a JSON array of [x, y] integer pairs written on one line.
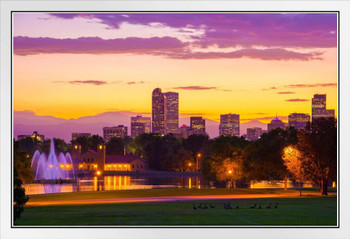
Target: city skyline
[[260, 76]]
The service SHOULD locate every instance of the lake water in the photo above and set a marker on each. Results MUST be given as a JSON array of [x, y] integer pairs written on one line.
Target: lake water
[[119, 182], [127, 182]]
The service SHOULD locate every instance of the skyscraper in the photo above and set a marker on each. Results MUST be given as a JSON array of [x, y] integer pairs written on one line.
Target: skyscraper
[[229, 125], [140, 125], [197, 125], [158, 112], [172, 112], [319, 109], [298, 120], [115, 131], [274, 124]]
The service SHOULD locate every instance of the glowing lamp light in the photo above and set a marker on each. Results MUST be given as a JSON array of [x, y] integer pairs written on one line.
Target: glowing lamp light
[[76, 146], [100, 146], [61, 165], [67, 165], [98, 173], [230, 171], [50, 165], [199, 155], [190, 164]]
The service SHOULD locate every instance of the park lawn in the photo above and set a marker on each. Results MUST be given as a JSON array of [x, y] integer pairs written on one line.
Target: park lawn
[[157, 193], [305, 211]]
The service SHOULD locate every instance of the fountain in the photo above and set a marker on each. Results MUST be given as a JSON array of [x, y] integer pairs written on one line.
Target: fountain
[[52, 167]]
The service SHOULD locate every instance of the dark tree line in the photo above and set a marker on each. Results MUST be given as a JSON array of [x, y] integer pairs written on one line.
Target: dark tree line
[[221, 159]]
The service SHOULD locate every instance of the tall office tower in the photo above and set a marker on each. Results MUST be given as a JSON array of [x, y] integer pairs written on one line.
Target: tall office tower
[[229, 125], [298, 120], [319, 109], [115, 131], [254, 133], [158, 112], [140, 125], [275, 123], [172, 112], [197, 125]]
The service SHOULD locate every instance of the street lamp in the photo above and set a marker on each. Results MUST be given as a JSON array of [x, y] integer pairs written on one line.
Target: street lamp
[[98, 180], [230, 172], [197, 159]]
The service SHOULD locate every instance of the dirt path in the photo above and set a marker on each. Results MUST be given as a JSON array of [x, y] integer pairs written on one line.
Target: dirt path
[[167, 199]]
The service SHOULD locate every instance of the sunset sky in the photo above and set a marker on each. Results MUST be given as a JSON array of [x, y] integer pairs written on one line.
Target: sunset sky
[[253, 64]]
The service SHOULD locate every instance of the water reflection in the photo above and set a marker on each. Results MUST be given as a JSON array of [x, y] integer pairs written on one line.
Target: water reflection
[[118, 182], [126, 182]]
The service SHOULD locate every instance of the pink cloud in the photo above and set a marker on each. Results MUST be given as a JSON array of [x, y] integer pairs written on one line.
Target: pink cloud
[[297, 100], [194, 88], [285, 92], [93, 45], [79, 82], [312, 85]]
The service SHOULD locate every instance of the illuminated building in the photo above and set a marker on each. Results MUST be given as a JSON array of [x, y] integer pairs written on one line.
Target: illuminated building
[[197, 125], [77, 135], [318, 107], [94, 161], [229, 125], [35, 136], [171, 111], [298, 120], [254, 133], [274, 124], [158, 112], [120, 131], [140, 125], [184, 131]]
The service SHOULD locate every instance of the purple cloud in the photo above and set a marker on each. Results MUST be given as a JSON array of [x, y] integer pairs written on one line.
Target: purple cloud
[[285, 92], [135, 82], [271, 88], [163, 46], [78, 82], [194, 88], [308, 30], [297, 100], [264, 54], [312, 85], [94, 45]]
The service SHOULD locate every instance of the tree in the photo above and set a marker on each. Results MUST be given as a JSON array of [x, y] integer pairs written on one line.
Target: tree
[[19, 196], [226, 160], [22, 164], [115, 146], [318, 144], [294, 162], [263, 158]]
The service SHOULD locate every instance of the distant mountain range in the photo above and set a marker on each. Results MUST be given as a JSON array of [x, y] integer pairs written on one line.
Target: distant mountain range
[[26, 122]]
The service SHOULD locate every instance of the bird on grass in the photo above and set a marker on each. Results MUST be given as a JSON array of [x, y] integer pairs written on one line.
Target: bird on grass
[[237, 207], [254, 206], [212, 206], [259, 206], [276, 206], [194, 206], [200, 205], [269, 206], [227, 205], [205, 206]]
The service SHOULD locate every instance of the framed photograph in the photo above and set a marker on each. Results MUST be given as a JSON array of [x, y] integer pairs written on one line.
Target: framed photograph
[[171, 119]]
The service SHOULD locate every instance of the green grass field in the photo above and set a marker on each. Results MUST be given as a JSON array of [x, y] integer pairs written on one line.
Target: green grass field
[[303, 211]]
